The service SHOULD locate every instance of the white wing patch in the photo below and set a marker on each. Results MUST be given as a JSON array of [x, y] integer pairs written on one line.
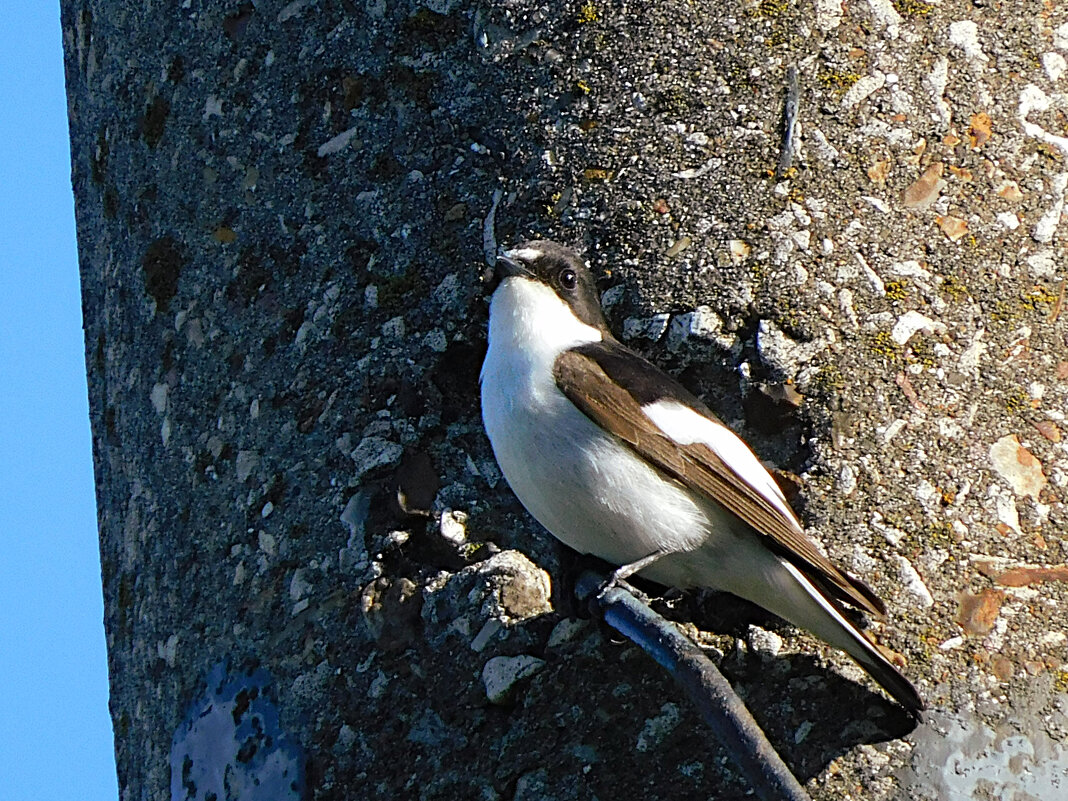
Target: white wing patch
[[686, 426]]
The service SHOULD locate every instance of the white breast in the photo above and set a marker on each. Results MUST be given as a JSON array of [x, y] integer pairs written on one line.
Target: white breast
[[587, 488]]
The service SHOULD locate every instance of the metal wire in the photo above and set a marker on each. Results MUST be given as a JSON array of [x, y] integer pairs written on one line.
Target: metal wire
[[717, 702]]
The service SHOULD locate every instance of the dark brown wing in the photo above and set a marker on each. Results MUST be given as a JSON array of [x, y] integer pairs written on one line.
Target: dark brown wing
[[615, 403]]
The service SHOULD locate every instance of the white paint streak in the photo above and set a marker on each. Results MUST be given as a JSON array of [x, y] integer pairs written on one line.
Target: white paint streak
[[937, 80], [886, 14], [828, 14], [965, 35], [863, 89], [1054, 65], [1046, 227]]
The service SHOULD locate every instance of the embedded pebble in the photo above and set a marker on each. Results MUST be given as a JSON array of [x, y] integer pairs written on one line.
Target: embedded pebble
[[863, 89], [925, 189], [702, 324], [828, 14], [374, 452], [651, 328], [244, 465], [781, 354], [763, 642], [502, 674], [913, 584], [911, 322], [453, 526], [337, 143], [1017, 465], [657, 728]]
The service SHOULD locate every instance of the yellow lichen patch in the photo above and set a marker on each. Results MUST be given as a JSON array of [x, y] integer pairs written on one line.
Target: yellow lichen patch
[[1017, 401], [911, 8], [771, 8], [1040, 294], [897, 290], [921, 351], [838, 81], [588, 13], [954, 287], [597, 174], [883, 344]]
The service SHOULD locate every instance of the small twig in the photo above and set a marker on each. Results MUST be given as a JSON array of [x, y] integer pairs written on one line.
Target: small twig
[[716, 701], [489, 230], [789, 122], [1059, 304]]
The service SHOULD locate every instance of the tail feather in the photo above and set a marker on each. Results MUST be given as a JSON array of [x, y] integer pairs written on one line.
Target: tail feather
[[804, 605], [744, 567]]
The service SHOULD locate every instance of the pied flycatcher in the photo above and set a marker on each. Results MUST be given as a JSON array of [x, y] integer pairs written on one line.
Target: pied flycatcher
[[616, 459]]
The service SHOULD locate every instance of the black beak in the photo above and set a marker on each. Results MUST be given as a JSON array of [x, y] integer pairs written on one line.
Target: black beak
[[507, 267]]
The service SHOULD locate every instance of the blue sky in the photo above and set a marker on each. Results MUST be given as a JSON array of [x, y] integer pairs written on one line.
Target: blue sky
[[55, 733]]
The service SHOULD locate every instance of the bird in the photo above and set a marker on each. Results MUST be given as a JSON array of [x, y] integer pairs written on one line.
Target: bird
[[616, 459]]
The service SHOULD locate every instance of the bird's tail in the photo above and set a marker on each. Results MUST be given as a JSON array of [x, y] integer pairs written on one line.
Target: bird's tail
[[800, 602]]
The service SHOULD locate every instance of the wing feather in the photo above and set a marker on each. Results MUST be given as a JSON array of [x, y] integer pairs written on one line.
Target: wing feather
[[615, 402]]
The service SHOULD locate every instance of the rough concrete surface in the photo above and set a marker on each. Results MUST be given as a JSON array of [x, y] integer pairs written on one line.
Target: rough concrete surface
[[282, 217]]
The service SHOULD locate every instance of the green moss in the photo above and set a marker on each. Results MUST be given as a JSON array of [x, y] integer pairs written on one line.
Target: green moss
[[787, 316], [473, 551], [676, 101], [939, 535]]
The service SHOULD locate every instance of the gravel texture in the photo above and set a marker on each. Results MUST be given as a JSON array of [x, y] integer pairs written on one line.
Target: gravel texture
[[282, 216]]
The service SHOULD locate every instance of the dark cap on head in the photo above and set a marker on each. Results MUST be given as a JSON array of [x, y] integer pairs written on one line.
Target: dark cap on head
[[561, 269]]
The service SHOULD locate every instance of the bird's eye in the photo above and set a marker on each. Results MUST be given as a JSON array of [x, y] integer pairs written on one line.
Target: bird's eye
[[568, 279]]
